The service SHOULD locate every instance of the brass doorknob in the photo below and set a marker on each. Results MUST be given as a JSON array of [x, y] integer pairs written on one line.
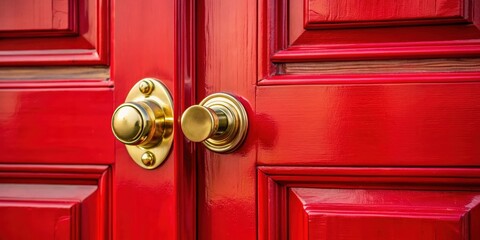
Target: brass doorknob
[[137, 123], [219, 121], [145, 123]]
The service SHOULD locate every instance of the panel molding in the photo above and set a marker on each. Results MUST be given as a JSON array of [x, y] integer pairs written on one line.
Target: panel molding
[[323, 213], [286, 38], [48, 113], [319, 14], [60, 20], [43, 73], [274, 183], [384, 66], [86, 43], [75, 200]]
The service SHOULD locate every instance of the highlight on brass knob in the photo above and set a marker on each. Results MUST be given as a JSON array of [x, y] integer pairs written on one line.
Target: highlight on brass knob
[[219, 121], [144, 123]]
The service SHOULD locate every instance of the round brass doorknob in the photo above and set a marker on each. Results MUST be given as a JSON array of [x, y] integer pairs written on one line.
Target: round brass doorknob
[[136, 123], [219, 121], [144, 123]]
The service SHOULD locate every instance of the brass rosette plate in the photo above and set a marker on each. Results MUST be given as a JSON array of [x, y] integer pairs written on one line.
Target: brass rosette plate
[[145, 123], [236, 131]]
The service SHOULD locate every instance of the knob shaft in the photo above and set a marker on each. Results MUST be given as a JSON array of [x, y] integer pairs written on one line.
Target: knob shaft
[[200, 123]]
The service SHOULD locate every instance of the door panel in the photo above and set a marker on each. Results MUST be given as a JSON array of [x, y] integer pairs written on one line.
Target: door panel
[[56, 146], [39, 120], [53, 32], [382, 214], [323, 13], [55, 201], [330, 101], [368, 203], [416, 124]]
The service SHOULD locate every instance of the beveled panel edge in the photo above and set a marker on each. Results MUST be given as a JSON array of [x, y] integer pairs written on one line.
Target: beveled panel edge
[[55, 73], [274, 181], [370, 51], [99, 176], [61, 50], [70, 30], [274, 46], [383, 66], [371, 78], [465, 12], [40, 173]]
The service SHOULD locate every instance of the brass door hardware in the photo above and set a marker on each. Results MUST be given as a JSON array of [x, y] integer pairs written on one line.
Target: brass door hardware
[[144, 123], [219, 121]]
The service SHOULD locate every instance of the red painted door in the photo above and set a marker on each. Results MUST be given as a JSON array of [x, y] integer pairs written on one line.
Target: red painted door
[[64, 67], [56, 97], [364, 119]]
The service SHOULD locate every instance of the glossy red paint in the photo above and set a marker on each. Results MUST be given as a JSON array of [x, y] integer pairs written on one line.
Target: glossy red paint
[[382, 214], [365, 151], [371, 125], [153, 39], [287, 37], [78, 35], [55, 201], [310, 124], [392, 203], [226, 49], [39, 118], [323, 13], [49, 16]]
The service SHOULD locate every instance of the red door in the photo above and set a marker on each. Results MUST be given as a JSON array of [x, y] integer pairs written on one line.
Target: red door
[[65, 66], [363, 119]]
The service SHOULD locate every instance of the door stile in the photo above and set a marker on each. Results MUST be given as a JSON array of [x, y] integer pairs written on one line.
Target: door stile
[[184, 95]]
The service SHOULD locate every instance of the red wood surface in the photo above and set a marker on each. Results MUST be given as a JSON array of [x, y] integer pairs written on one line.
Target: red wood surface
[[40, 15], [374, 12], [85, 42], [54, 201], [317, 133], [39, 119], [286, 38], [370, 124], [20, 220], [226, 50], [382, 214], [154, 39], [367, 203]]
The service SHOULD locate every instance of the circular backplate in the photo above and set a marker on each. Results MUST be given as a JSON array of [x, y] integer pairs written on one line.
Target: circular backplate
[[160, 96], [237, 122]]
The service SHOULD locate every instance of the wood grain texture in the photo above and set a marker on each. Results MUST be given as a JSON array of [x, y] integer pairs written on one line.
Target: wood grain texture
[[391, 187], [60, 220], [385, 66], [226, 53], [345, 124], [45, 123], [35, 15], [325, 13], [43, 73], [287, 39], [146, 202], [55, 201], [85, 42], [318, 213]]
